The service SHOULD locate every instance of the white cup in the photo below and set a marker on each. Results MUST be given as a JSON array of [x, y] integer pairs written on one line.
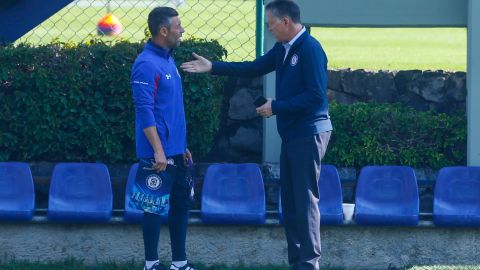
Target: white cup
[[348, 209]]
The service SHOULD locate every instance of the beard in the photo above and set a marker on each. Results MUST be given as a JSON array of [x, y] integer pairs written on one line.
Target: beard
[[174, 41]]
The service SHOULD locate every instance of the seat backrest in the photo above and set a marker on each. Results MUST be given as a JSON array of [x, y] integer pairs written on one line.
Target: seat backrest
[[331, 198], [457, 196], [233, 190], [17, 195], [387, 195], [78, 188]]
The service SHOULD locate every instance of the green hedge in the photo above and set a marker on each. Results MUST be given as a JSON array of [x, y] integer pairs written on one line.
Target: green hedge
[[392, 134], [64, 102]]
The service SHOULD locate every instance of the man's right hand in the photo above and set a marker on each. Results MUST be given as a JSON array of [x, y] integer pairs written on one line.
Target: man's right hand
[[160, 162], [200, 65]]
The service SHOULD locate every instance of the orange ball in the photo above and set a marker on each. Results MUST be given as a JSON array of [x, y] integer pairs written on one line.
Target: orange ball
[[109, 25]]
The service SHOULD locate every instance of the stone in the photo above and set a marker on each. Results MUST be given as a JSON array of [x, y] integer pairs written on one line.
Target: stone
[[230, 87], [403, 79], [436, 90], [380, 87], [227, 153], [353, 82], [271, 197], [257, 82], [247, 139], [241, 106], [456, 86], [272, 170], [244, 82], [255, 92], [431, 86], [341, 97], [335, 80]]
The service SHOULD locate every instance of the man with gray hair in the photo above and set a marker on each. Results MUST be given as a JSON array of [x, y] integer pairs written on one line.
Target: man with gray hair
[[303, 122]]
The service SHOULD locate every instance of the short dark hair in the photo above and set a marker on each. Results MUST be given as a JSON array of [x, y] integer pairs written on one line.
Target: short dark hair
[[282, 8], [158, 17]]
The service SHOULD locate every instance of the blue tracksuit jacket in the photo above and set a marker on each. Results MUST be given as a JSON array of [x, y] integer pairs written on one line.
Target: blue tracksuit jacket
[[158, 100]]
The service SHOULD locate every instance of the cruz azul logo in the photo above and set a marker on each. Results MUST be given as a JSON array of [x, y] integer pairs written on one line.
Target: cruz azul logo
[[294, 60], [154, 182]]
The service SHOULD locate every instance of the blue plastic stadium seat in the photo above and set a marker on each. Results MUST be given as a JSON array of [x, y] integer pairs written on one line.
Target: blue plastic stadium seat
[[131, 215], [330, 189], [17, 195], [331, 211], [457, 197], [80, 192], [387, 195], [233, 194]]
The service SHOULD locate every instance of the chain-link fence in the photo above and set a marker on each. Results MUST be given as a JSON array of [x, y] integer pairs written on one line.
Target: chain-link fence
[[231, 22]]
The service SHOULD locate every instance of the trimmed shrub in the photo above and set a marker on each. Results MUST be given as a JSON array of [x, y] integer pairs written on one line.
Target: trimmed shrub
[[64, 102], [392, 134]]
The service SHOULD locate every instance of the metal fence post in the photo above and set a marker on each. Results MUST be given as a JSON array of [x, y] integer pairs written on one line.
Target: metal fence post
[[260, 28], [473, 84]]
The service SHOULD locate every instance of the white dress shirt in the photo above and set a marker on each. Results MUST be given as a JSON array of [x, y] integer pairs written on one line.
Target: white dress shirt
[[290, 43]]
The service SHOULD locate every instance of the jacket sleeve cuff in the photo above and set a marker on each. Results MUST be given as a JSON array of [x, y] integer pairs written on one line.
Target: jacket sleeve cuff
[[214, 70], [277, 107]]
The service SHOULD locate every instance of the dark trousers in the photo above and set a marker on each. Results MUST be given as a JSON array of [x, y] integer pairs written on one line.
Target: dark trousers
[[299, 173], [177, 218]]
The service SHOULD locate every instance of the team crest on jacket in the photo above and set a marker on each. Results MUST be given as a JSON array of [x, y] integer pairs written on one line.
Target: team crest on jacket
[[154, 182], [294, 60]]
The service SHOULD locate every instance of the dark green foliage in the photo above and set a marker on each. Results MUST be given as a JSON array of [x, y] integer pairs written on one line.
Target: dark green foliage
[[391, 134], [203, 96], [64, 102]]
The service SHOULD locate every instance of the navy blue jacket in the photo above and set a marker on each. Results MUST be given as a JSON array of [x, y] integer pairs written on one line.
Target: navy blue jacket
[[301, 103], [158, 100]]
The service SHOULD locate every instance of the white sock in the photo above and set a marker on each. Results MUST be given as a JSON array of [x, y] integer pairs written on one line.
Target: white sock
[[149, 264], [177, 264]]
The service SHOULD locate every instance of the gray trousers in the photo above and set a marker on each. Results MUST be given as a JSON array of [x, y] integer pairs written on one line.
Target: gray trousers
[[299, 173]]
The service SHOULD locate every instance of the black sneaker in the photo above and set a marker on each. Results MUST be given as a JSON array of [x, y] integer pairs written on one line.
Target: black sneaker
[[156, 266], [185, 267]]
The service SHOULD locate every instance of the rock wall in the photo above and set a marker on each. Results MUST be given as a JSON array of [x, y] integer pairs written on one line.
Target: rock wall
[[423, 90], [240, 136]]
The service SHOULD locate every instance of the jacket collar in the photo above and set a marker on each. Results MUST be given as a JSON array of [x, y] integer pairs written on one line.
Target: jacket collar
[[292, 50], [299, 40], [158, 50], [291, 42]]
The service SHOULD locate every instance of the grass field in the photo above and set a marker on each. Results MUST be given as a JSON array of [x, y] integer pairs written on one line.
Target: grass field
[[395, 49], [233, 24], [74, 265], [230, 22]]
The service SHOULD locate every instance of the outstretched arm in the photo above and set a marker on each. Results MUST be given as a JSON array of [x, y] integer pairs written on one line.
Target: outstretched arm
[[260, 66], [200, 65]]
